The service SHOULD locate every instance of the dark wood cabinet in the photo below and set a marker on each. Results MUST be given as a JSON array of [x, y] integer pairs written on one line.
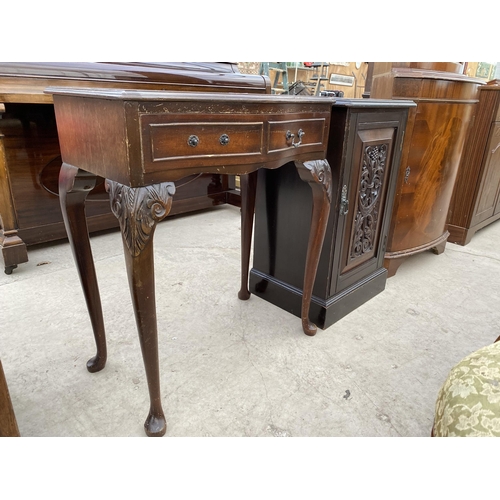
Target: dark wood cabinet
[[30, 158], [432, 150], [476, 198], [364, 151]]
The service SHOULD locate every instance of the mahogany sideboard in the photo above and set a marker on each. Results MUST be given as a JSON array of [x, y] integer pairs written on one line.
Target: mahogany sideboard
[[432, 149], [364, 151], [30, 157], [143, 141], [476, 199]]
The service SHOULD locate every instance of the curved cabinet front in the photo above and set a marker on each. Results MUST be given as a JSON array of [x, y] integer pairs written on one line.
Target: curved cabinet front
[[434, 141]]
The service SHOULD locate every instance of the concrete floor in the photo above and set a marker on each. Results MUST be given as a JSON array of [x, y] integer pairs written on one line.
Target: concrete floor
[[239, 368]]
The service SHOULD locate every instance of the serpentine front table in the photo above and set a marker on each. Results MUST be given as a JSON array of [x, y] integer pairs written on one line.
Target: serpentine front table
[[143, 141]]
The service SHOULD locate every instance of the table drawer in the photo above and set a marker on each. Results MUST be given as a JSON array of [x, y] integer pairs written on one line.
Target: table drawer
[[299, 133], [175, 141], [234, 136]]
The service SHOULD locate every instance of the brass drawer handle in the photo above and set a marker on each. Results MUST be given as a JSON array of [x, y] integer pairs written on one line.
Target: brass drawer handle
[[291, 136], [193, 141]]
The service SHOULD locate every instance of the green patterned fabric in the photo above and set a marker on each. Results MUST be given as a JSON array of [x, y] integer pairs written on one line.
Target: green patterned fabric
[[468, 404]]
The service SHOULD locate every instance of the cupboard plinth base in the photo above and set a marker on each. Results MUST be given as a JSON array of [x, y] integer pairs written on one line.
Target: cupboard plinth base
[[324, 313]]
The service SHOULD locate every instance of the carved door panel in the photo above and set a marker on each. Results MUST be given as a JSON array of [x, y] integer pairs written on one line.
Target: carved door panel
[[362, 206], [488, 190]]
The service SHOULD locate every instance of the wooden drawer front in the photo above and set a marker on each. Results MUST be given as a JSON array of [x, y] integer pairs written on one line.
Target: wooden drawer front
[[175, 141], [314, 133]]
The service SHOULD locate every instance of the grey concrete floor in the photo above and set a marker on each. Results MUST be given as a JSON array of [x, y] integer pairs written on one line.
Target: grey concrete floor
[[239, 368]]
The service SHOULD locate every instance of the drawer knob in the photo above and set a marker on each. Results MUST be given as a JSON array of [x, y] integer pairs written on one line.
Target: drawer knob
[[224, 139], [193, 141], [291, 136]]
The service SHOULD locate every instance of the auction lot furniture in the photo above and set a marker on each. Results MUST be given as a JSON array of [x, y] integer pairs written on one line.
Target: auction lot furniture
[[364, 152], [432, 149], [30, 158], [476, 198], [141, 142]]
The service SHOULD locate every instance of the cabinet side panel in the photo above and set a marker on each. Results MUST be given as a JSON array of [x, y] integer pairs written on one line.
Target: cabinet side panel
[[467, 185]]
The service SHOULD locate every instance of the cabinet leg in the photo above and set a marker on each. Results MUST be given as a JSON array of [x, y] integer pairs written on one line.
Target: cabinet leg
[[392, 265], [138, 210], [13, 248], [439, 249], [74, 186], [248, 186], [319, 176], [9, 269]]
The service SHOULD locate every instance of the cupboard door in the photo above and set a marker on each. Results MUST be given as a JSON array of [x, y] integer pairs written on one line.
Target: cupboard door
[[488, 189], [362, 211]]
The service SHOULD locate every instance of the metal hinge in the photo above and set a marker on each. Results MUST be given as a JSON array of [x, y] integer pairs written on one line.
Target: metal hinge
[[344, 202]]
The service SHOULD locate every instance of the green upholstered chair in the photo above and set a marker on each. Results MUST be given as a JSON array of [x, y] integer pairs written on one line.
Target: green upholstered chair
[[468, 404]]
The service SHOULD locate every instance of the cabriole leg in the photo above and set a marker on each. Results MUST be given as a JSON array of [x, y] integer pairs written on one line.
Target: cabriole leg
[[138, 211], [319, 176], [74, 187]]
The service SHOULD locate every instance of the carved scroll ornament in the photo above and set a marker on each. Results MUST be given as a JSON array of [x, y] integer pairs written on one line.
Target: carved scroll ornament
[[138, 210], [371, 183], [321, 173]]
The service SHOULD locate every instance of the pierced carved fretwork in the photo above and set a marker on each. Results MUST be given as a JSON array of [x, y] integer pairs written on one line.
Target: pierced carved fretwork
[[370, 189], [138, 210]]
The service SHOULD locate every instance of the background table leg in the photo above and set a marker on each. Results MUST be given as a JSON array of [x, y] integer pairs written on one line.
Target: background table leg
[[248, 186], [74, 186], [319, 176]]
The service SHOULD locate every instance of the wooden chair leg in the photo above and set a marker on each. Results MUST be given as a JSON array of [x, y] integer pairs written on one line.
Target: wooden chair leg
[[138, 211], [74, 187], [248, 185], [319, 176]]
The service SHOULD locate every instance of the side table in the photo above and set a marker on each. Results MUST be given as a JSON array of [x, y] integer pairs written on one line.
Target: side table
[[143, 141]]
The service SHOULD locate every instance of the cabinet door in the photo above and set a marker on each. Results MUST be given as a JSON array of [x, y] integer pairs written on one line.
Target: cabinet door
[[490, 180], [363, 220]]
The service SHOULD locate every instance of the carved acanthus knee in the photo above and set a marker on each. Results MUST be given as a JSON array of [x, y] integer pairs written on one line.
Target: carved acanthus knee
[[138, 210], [317, 171]]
